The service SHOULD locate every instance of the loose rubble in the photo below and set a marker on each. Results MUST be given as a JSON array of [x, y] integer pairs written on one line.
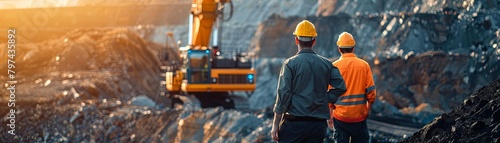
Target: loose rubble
[[476, 120]]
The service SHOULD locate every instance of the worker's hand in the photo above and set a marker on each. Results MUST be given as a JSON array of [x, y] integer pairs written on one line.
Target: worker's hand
[[330, 123], [274, 135]]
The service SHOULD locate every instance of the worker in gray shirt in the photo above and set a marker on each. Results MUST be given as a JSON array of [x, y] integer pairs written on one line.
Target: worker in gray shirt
[[301, 108]]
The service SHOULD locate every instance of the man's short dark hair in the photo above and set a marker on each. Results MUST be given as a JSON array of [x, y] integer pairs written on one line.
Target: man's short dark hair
[[346, 50], [306, 42]]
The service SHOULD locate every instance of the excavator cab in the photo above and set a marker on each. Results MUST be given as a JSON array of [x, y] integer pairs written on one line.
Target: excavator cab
[[199, 67]]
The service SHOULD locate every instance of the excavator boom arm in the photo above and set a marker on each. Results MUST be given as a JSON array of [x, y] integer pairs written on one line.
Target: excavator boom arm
[[204, 14]]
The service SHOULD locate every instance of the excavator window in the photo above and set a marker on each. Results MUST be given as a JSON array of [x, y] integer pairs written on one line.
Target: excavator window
[[199, 66]]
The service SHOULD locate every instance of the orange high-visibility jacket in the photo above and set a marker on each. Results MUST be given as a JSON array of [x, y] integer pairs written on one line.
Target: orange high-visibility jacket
[[352, 106]]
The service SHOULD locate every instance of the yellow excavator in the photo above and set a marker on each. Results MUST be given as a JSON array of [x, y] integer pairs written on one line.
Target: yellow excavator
[[203, 71]]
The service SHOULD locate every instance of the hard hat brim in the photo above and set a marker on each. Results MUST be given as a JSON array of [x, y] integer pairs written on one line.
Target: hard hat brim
[[345, 47]]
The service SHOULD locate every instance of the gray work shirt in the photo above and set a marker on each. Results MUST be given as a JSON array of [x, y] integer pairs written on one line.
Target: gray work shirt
[[303, 85]]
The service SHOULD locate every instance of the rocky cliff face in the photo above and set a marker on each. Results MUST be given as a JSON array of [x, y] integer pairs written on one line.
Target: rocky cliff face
[[385, 34]]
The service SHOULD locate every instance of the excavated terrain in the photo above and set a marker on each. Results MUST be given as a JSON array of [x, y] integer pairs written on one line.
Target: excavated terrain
[[476, 120], [85, 87], [82, 82], [95, 100]]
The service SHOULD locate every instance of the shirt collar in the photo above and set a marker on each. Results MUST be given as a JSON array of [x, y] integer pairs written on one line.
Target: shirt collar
[[347, 55], [306, 51]]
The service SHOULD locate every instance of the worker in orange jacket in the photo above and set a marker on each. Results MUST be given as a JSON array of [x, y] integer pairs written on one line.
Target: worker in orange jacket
[[349, 113]]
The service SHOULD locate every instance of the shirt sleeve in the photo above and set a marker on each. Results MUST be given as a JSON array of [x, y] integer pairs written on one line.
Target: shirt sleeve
[[370, 87], [337, 82], [284, 91]]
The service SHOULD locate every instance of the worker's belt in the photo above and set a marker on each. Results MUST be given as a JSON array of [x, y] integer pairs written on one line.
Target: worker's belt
[[292, 118]]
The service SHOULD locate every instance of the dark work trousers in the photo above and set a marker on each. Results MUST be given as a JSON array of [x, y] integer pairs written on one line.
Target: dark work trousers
[[357, 132], [302, 132]]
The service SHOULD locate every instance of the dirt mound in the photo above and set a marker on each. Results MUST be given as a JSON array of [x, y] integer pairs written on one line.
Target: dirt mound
[[93, 63], [87, 49], [476, 120]]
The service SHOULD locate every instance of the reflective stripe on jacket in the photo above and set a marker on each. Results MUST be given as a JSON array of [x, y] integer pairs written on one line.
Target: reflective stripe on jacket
[[352, 107]]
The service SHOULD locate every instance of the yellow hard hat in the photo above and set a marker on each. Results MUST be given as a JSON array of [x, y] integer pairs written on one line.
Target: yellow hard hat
[[305, 29], [346, 40]]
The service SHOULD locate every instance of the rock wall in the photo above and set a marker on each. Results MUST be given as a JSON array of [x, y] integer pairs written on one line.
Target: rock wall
[[385, 35], [356, 7]]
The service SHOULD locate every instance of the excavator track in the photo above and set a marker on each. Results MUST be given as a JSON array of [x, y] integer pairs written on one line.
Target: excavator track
[[240, 103]]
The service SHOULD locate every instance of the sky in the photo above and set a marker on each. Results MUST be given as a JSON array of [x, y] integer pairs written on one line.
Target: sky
[[14, 4]]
